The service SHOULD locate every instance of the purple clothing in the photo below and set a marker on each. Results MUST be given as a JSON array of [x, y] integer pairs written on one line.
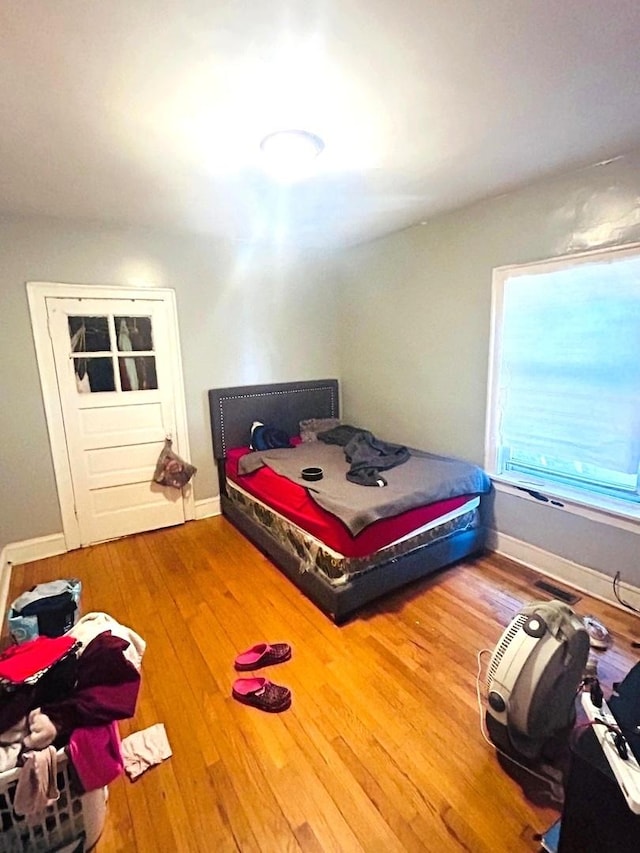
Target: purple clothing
[[106, 688], [96, 755]]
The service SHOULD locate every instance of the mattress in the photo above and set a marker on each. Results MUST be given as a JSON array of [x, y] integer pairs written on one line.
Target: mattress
[[292, 501], [284, 510]]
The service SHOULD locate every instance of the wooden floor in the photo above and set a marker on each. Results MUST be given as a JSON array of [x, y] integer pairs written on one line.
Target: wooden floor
[[381, 749]]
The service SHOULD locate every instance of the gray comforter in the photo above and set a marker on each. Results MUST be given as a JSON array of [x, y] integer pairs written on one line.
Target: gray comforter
[[423, 479]]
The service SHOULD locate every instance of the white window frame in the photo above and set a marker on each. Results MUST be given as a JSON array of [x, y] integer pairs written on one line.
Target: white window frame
[[562, 497]]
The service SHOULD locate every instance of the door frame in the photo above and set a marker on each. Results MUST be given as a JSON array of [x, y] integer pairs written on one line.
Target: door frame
[[38, 292]]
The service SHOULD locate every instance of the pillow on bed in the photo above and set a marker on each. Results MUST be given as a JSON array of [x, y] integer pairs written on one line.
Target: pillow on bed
[[265, 437], [310, 428]]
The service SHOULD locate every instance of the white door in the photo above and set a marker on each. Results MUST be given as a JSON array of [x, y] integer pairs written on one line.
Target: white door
[[116, 385]]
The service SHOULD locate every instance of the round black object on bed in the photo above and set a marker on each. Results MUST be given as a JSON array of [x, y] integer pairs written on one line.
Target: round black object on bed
[[312, 473]]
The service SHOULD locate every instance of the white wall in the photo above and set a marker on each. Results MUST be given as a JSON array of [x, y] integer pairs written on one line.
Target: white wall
[[245, 316], [420, 300], [407, 333]]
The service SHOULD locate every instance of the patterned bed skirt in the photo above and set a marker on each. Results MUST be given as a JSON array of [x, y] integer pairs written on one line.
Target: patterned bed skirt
[[337, 569]]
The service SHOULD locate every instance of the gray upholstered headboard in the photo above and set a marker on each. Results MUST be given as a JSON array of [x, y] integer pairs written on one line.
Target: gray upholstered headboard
[[282, 405]]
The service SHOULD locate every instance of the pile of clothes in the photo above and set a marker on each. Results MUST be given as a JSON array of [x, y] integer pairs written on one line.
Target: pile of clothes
[[67, 691]]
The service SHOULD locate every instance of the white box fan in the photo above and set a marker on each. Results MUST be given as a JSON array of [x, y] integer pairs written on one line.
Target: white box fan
[[534, 673]]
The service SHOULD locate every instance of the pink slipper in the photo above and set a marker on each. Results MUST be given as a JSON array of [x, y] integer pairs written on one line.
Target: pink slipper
[[261, 693], [264, 654]]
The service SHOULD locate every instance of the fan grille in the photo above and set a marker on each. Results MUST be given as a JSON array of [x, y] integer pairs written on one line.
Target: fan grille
[[507, 637]]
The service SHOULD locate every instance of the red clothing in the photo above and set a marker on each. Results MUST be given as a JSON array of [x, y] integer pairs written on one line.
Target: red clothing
[[21, 662]]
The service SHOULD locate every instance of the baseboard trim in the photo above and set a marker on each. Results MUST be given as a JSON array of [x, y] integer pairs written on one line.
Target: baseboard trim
[[36, 549], [16, 553], [207, 508], [560, 569]]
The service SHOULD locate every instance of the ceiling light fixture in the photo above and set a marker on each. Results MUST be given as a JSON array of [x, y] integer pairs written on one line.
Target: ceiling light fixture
[[289, 154]]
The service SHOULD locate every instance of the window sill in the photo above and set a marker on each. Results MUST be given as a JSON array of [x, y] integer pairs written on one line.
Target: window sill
[[596, 508]]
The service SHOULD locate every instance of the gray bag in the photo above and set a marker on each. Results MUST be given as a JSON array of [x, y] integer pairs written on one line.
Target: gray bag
[[171, 470]]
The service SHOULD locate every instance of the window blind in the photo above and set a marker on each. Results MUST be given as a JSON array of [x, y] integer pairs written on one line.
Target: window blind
[[569, 371]]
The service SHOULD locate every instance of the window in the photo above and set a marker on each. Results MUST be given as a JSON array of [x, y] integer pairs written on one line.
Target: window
[[101, 336], [564, 389]]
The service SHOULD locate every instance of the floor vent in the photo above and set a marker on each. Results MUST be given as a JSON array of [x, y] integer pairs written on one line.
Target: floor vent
[[556, 592]]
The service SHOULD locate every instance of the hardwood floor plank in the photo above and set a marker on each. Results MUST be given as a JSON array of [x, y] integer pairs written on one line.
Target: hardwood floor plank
[[231, 810], [358, 809], [250, 785], [382, 749]]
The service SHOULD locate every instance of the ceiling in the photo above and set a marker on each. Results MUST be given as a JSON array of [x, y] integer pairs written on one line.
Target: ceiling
[[150, 112]]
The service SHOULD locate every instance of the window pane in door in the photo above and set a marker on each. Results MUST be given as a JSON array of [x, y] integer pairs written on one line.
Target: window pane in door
[[89, 334], [134, 333], [94, 374], [138, 373]]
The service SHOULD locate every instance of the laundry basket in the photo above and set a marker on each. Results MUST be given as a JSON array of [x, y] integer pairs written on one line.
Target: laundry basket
[[71, 816]]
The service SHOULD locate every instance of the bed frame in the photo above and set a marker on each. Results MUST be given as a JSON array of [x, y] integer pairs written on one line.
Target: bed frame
[[284, 405]]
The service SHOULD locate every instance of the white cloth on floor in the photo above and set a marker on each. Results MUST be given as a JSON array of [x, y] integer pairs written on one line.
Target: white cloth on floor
[[88, 627], [143, 749], [37, 787]]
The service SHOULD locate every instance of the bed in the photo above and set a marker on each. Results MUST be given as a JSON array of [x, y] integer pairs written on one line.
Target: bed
[[336, 569]]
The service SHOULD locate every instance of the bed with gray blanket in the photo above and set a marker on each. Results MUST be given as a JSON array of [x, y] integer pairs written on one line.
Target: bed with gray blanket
[[354, 466]]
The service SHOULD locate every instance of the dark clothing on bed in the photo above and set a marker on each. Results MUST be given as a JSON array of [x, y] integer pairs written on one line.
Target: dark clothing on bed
[[369, 456], [340, 435]]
